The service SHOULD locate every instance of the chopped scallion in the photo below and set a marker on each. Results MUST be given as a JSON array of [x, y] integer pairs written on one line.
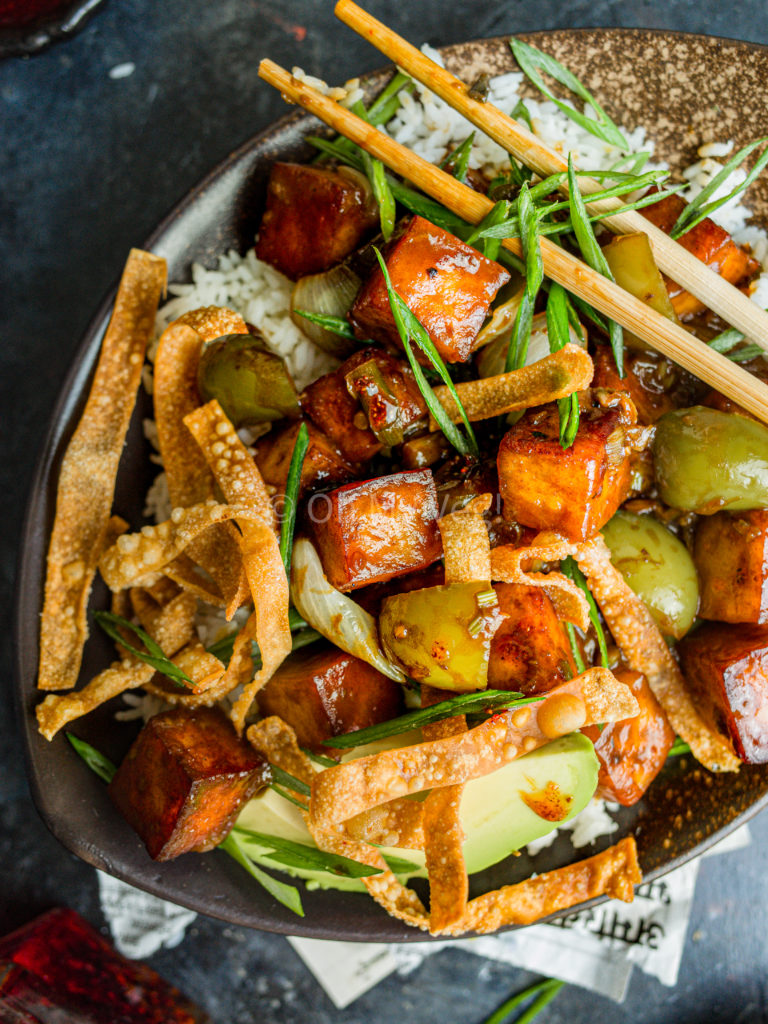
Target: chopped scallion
[[153, 655]]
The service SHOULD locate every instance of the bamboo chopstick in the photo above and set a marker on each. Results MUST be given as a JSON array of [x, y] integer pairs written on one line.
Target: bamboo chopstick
[[679, 264], [577, 277]]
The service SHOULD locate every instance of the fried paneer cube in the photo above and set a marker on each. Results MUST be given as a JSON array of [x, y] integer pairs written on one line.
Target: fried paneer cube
[[726, 668], [184, 781], [447, 284], [330, 404], [314, 218], [573, 491], [632, 752], [372, 531], [652, 381], [323, 692], [530, 651], [731, 556], [709, 243], [322, 464]]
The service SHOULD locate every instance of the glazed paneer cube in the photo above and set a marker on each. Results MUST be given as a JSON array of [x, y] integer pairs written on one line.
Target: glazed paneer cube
[[184, 780], [322, 464], [372, 531], [573, 491], [632, 752], [650, 379], [726, 668], [708, 242], [323, 692], [314, 218], [731, 556], [337, 412], [448, 285], [530, 651]]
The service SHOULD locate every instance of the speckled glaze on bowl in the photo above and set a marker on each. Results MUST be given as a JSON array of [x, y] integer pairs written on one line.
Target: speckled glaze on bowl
[[38, 33], [685, 90]]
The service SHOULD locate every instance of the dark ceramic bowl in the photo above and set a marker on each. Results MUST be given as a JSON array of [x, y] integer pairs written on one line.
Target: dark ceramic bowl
[[685, 90], [28, 26]]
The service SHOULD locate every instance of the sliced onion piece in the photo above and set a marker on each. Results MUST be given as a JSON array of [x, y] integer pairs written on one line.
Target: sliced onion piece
[[333, 614], [331, 293]]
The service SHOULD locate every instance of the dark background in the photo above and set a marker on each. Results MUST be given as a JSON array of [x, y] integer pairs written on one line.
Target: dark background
[[88, 166]]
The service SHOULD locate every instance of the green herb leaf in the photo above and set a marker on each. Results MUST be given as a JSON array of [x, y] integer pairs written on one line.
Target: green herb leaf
[[339, 149], [532, 61], [284, 778], [458, 159], [464, 704], [288, 796], [545, 991], [96, 761], [534, 275], [112, 624], [399, 865], [336, 324], [678, 748], [699, 208], [570, 569], [290, 507], [299, 855], [594, 256], [288, 895], [410, 329], [387, 103]]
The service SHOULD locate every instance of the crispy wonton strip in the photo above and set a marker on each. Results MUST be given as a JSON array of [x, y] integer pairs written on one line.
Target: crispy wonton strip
[[184, 572], [276, 740], [644, 650], [614, 873], [240, 481], [88, 470], [180, 610], [190, 481], [138, 558], [555, 376], [466, 546], [443, 834], [507, 567], [214, 322], [347, 789], [397, 823], [170, 630]]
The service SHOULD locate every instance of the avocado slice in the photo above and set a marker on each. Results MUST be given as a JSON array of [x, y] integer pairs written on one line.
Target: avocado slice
[[500, 812]]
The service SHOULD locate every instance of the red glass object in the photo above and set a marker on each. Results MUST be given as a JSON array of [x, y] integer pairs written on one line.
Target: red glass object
[[58, 968], [20, 13]]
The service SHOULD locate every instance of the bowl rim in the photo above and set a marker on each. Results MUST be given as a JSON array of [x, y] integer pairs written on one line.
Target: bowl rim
[[26, 592]]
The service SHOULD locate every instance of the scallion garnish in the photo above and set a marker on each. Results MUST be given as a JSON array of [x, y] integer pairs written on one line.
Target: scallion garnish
[[475, 626], [399, 865], [284, 778], [290, 507], [382, 192], [678, 748], [326, 762], [498, 215], [299, 855], [699, 208], [532, 61], [346, 154], [593, 255], [726, 343], [570, 569], [96, 761], [487, 598], [570, 629], [336, 324], [458, 159], [112, 624], [465, 704], [410, 329], [288, 796], [288, 895], [534, 275], [559, 335], [520, 112], [545, 991], [430, 210], [387, 103]]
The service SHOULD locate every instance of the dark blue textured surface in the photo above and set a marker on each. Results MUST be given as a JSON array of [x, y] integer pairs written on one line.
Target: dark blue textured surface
[[88, 165]]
